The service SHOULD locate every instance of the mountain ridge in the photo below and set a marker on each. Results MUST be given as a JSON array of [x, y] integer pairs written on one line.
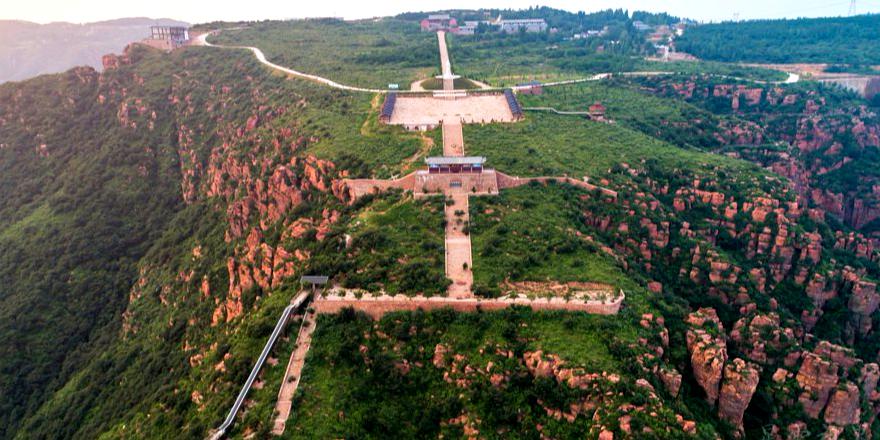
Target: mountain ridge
[[34, 49]]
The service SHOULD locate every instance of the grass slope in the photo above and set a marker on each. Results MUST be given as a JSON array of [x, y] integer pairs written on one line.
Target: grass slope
[[363, 53], [530, 233], [352, 385]]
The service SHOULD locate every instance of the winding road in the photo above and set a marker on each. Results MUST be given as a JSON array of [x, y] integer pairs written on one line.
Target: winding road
[[202, 40], [261, 57]]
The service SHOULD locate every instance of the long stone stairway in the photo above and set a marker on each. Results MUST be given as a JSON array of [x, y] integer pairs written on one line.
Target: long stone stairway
[[292, 376], [458, 247]]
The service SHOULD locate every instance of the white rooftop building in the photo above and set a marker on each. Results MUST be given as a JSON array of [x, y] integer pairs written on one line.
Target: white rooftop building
[[527, 24]]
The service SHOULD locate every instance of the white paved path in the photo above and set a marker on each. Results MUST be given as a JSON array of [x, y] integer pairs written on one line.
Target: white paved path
[[203, 40]]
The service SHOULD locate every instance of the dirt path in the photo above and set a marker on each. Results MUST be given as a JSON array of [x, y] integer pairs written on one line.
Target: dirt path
[[427, 145], [416, 86], [292, 376]]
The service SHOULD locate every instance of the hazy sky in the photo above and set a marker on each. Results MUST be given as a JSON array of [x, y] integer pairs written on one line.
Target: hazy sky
[[79, 11]]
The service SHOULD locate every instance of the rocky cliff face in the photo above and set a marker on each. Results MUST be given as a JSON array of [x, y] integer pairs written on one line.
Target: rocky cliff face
[[207, 202], [824, 141]]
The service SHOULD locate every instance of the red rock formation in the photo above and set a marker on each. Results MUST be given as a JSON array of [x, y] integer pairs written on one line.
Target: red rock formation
[[817, 378], [754, 335], [708, 350], [844, 406], [863, 302], [671, 379], [740, 382]]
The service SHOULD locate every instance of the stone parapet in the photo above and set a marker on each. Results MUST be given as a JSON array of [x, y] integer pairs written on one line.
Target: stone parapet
[[377, 306]]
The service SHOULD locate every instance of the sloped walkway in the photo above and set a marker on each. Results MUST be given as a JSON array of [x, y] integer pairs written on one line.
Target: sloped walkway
[[445, 65], [293, 374], [453, 139], [458, 247]]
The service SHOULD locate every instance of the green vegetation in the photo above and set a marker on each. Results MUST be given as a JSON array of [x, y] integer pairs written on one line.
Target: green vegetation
[[69, 235], [458, 84], [370, 379], [104, 209], [546, 144], [141, 211], [368, 53], [531, 233], [673, 121], [375, 54], [837, 40], [347, 131], [396, 247]]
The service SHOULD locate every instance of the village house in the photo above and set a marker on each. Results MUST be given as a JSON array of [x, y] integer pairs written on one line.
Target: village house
[[469, 28], [597, 112], [642, 27], [660, 35], [438, 22], [527, 24], [588, 34]]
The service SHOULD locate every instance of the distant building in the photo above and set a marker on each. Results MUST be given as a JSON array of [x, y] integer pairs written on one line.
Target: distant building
[[443, 22], [587, 34], [679, 28], [167, 37], [467, 29], [597, 111], [438, 22], [641, 26], [526, 24], [388, 108], [455, 165], [531, 88]]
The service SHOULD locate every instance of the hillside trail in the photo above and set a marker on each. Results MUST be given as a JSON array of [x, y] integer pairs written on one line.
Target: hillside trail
[[292, 375]]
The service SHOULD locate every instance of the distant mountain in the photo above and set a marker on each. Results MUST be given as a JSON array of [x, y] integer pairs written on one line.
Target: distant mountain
[[32, 49]]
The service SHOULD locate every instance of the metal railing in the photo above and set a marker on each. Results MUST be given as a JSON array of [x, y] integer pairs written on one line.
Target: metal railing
[[279, 327]]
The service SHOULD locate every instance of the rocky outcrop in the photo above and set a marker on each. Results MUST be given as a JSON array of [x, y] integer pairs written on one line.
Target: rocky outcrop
[[817, 378], [820, 128], [671, 379], [760, 338], [863, 302], [844, 406], [740, 382], [708, 349]]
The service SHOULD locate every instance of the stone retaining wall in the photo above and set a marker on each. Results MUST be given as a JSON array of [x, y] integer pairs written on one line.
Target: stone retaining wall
[[378, 306], [362, 187], [506, 181]]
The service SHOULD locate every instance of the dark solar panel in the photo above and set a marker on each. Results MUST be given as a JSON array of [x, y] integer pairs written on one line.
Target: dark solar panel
[[388, 106], [513, 103]]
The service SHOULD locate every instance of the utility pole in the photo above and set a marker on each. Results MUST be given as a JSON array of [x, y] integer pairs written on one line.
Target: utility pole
[[852, 8]]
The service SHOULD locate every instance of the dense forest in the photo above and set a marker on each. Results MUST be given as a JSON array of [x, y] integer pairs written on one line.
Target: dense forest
[[837, 40]]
